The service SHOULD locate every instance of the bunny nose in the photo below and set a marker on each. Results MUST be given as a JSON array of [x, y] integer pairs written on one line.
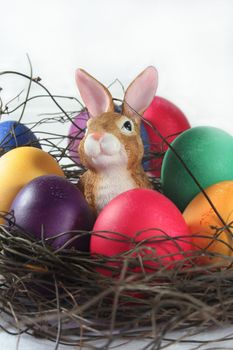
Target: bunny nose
[[97, 135]]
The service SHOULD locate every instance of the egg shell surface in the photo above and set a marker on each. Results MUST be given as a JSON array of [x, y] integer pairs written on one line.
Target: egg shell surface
[[18, 167], [141, 215], [14, 134], [146, 162], [170, 121], [203, 221], [75, 134], [49, 205], [207, 152]]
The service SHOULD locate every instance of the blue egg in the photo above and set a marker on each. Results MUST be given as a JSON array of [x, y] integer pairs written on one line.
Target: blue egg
[[146, 144], [118, 108], [14, 134]]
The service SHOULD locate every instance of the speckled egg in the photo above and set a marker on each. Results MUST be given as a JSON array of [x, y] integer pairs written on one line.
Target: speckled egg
[[50, 206]]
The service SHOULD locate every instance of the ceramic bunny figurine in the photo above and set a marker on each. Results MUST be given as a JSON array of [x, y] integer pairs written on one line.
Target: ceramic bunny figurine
[[112, 148]]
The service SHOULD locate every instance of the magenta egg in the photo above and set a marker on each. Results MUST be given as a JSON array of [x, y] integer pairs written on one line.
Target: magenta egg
[[49, 206], [146, 217], [170, 121]]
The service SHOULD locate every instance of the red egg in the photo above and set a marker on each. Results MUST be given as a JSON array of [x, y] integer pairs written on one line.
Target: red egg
[[142, 217], [170, 121]]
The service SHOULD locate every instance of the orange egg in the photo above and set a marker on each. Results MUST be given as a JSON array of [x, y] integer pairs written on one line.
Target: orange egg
[[208, 230], [18, 167]]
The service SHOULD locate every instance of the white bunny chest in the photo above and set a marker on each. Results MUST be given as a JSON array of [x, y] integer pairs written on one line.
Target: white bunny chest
[[110, 184]]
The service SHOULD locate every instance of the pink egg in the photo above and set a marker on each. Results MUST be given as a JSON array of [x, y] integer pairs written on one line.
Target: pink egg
[[170, 121], [75, 135], [143, 217]]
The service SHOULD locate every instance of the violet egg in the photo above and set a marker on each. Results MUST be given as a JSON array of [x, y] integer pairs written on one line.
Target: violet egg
[[76, 133], [50, 205]]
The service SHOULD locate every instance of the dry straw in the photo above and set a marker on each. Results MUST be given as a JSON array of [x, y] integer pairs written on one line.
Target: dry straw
[[61, 296]]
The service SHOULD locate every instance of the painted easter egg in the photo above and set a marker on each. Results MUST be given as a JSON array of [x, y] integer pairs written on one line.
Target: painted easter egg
[[14, 134], [75, 134], [207, 152], [18, 167], [170, 121], [146, 163], [141, 217], [208, 231], [50, 205]]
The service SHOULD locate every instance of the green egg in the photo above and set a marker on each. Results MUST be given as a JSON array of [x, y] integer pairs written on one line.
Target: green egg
[[207, 152]]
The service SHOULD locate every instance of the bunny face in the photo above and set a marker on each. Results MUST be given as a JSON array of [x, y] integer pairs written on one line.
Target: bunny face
[[112, 148], [111, 140]]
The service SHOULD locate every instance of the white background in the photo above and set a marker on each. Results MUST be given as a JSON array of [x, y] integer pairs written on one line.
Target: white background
[[189, 41]]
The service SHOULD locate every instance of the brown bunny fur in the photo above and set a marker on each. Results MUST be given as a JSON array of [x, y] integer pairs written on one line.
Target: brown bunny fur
[[90, 179], [103, 182]]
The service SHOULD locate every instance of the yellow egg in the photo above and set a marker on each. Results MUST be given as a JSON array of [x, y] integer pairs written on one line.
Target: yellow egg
[[208, 230], [18, 167]]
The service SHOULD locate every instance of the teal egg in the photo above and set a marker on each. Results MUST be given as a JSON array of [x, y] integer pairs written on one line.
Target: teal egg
[[207, 152]]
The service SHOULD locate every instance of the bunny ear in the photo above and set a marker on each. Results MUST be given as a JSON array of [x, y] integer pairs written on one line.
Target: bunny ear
[[96, 96], [141, 92]]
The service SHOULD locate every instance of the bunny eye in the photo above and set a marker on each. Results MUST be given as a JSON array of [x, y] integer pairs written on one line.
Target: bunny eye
[[127, 126]]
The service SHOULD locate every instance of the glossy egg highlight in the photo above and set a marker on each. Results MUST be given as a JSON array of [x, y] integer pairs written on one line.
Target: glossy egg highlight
[[49, 206], [207, 229]]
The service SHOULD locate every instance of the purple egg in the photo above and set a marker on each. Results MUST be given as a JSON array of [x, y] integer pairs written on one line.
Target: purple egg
[[75, 135], [49, 205]]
